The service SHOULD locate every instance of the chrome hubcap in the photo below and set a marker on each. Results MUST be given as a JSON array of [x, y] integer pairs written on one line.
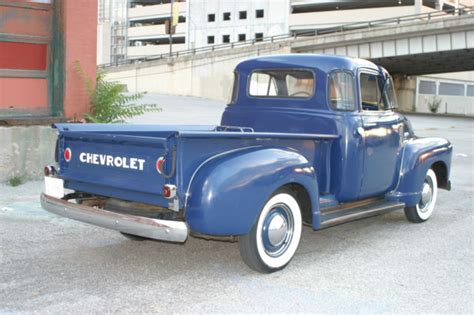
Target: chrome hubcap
[[426, 195], [277, 230]]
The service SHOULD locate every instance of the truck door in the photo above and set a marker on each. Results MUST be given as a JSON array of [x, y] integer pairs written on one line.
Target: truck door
[[382, 132]]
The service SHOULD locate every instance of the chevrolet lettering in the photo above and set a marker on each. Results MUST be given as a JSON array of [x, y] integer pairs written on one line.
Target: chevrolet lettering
[[114, 161], [306, 139]]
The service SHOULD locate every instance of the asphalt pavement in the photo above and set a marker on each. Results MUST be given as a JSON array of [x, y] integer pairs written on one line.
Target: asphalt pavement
[[377, 265]]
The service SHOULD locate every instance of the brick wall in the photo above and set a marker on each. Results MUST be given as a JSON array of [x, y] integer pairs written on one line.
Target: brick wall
[[79, 20]]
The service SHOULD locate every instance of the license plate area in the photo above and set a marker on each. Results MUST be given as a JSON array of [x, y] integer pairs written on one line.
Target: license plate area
[[54, 187]]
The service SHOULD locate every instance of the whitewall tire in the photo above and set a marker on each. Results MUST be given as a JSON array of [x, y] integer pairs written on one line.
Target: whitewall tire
[[425, 207], [275, 236]]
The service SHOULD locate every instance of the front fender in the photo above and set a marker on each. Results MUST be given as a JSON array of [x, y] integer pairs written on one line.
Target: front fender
[[418, 156], [227, 194]]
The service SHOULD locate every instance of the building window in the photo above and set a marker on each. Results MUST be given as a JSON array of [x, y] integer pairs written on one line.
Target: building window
[[243, 15], [451, 89], [427, 87], [211, 17], [470, 90], [259, 14], [242, 37], [258, 37], [226, 16], [210, 39], [226, 38]]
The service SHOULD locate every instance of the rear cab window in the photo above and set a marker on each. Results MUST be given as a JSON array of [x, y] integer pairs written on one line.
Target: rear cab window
[[282, 83]]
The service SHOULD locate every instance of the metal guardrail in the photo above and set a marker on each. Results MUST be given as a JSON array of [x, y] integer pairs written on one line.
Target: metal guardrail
[[295, 34]]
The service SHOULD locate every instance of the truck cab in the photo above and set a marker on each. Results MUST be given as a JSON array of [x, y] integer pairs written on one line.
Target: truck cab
[[305, 139]]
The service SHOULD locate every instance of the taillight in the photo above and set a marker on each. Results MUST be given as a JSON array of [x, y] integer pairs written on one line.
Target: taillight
[[159, 165], [67, 154], [169, 191], [49, 170]]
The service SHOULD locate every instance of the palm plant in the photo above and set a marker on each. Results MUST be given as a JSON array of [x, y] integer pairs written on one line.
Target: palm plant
[[108, 101]]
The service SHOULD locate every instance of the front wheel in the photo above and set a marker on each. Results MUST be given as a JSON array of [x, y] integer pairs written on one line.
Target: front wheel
[[272, 242], [424, 208]]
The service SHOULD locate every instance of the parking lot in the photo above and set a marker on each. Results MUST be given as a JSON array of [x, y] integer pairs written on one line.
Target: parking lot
[[381, 264]]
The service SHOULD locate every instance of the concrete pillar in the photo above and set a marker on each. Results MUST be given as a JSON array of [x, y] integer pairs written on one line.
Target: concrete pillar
[[79, 23], [418, 4], [406, 92]]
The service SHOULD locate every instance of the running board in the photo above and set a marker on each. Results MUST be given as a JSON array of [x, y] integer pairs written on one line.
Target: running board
[[344, 214]]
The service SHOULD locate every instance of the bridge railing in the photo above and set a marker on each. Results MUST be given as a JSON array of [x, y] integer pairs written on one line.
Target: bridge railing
[[295, 34]]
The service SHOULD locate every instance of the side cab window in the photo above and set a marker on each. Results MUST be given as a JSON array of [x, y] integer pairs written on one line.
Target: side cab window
[[341, 91], [370, 92], [377, 93]]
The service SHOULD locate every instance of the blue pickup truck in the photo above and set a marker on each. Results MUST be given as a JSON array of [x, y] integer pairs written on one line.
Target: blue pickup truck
[[305, 140]]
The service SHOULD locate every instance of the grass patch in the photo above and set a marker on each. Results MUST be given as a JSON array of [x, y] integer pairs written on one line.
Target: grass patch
[[15, 181]]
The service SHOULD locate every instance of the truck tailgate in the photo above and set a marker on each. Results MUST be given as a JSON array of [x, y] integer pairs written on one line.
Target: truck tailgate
[[123, 166]]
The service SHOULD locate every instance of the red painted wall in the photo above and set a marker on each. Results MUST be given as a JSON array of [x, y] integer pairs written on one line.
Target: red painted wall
[[25, 34], [23, 56], [80, 40], [23, 93], [39, 43]]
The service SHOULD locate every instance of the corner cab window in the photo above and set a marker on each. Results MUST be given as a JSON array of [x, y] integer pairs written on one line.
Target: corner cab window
[[390, 95], [282, 83], [235, 89], [341, 91], [372, 87]]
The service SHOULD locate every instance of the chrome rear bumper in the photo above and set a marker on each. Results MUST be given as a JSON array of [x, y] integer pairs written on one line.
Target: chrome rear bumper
[[164, 230]]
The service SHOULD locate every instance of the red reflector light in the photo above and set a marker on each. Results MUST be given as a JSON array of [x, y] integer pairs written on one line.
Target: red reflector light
[[166, 191], [46, 171], [67, 154], [159, 164], [169, 191]]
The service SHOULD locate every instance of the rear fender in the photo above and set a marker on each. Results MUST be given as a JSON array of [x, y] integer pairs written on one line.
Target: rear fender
[[226, 194], [418, 156]]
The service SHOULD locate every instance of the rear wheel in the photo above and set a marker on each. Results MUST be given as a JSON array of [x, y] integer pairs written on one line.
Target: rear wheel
[[272, 242], [429, 193]]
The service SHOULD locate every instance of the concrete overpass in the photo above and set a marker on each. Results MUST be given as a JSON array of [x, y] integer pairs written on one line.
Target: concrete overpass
[[422, 47], [424, 44]]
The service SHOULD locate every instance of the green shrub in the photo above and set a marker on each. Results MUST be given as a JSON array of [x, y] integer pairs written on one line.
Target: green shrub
[[15, 181], [434, 103], [108, 101]]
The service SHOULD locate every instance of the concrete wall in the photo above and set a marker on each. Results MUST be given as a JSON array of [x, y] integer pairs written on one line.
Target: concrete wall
[[24, 151], [206, 75], [458, 105]]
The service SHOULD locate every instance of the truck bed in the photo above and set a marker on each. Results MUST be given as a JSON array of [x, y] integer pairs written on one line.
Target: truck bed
[[120, 160]]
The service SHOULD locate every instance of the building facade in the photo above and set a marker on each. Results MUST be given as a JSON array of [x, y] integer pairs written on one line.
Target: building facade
[[133, 29], [215, 22], [40, 41]]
